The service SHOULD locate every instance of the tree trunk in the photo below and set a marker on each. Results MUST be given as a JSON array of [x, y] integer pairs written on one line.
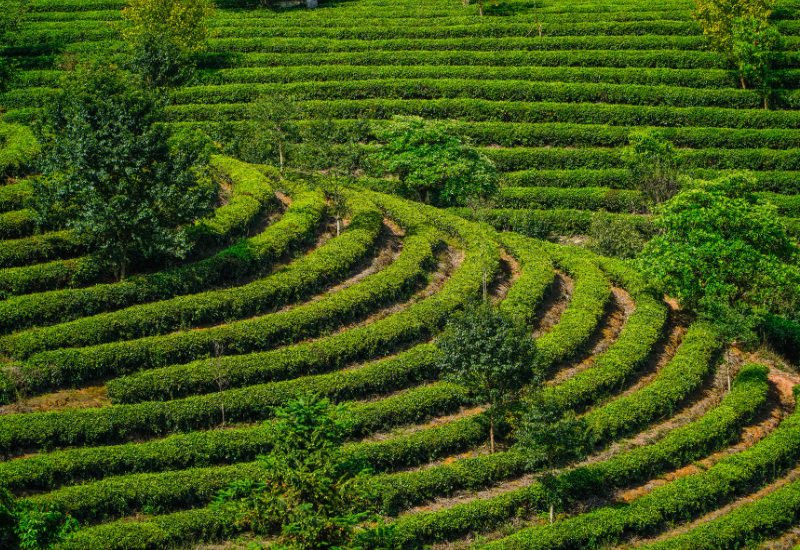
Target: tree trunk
[[338, 226], [491, 434], [741, 79], [766, 106], [552, 513], [123, 263], [280, 156], [480, 7]]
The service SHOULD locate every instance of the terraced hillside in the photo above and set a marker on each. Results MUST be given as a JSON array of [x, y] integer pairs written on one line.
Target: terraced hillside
[[113, 404]]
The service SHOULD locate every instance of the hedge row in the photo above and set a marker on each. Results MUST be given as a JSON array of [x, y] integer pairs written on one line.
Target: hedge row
[[15, 196], [249, 197], [591, 294], [544, 223], [679, 447], [48, 471], [588, 198], [389, 285], [674, 383], [682, 499], [523, 158], [88, 30], [784, 182], [113, 423], [669, 59], [15, 281], [420, 320], [173, 490], [536, 276], [753, 521], [18, 149], [39, 248], [507, 111], [17, 224], [256, 17], [295, 228], [689, 78], [443, 88], [50, 369], [635, 343]]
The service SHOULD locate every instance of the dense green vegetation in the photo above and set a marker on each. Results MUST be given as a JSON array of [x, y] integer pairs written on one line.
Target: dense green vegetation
[[304, 275]]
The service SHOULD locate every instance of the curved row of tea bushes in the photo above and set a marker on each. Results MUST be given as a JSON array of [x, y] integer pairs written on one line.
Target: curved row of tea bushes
[[57, 429], [177, 452], [684, 498], [588, 198], [50, 369], [257, 298], [589, 298], [480, 110], [14, 196], [249, 197], [175, 490], [294, 229], [679, 447], [419, 321], [18, 149], [39, 248], [609, 370], [115, 424], [17, 223], [536, 276], [673, 385], [15, 281], [767, 516], [390, 285]]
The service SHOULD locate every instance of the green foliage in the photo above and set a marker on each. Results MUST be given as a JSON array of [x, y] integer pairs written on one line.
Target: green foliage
[[115, 178], [306, 495], [184, 23], [26, 526], [11, 15], [756, 46], [725, 254], [159, 62], [435, 165], [653, 163], [717, 19], [614, 236], [489, 352]]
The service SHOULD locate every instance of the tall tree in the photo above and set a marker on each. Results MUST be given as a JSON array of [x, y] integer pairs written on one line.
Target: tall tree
[[114, 175], [725, 254], [756, 49], [551, 436], [492, 354], [653, 162], [716, 17], [182, 22], [433, 163], [308, 496]]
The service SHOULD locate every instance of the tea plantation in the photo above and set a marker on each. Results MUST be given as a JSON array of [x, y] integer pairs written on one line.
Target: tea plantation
[[129, 405]]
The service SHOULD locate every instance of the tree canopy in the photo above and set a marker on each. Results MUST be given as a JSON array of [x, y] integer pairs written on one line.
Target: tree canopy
[[724, 253], [434, 164], [116, 176], [489, 352]]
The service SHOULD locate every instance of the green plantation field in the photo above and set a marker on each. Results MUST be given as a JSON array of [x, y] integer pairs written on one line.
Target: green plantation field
[[112, 395]]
